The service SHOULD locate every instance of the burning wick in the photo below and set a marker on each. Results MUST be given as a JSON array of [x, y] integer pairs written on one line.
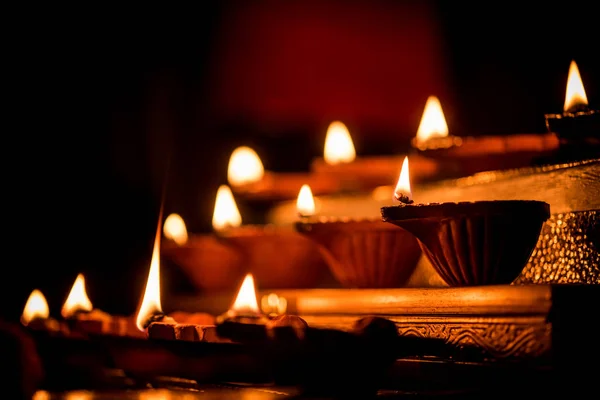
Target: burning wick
[[36, 308], [245, 305], [226, 214], [575, 97], [77, 301], [305, 204], [403, 192]]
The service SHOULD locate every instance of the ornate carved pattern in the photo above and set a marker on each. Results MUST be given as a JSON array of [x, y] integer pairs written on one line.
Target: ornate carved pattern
[[499, 340]]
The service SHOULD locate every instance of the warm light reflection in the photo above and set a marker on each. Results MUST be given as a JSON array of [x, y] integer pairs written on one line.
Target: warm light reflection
[[575, 95], [245, 302], [273, 304], [403, 185], [151, 304], [226, 213], [174, 229], [433, 123], [244, 167], [77, 300], [36, 307], [305, 204], [339, 148]]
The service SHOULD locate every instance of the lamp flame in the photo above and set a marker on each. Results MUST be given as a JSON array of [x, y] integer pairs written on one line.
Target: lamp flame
[[403, 186], [246, 302], [433, 123], [174, 229], [305, 204], [339, 148], [151, 304], [77, 300], [575, 95], [35, 307], [244, 167], [226, 213]]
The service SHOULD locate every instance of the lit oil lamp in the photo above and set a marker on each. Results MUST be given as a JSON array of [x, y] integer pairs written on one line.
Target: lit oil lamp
[[150, 317], [465, 155], [247, 177], [361, 252], [578, 127], [82, 317], [36, 314], [277, 256], [470, 243], [210, 263]]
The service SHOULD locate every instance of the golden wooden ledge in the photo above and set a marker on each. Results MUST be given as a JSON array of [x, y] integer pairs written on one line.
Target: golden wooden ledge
[[502, 322]]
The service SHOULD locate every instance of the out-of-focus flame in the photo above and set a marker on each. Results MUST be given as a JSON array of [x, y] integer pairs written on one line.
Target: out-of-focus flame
[[403, 185], [151, 304], [77, 300], [35, 307], [575, 95], [339, 148], [305, 204], [174, 229], [226, 213], [433, 123], [273, 304], [245, 302], [244, 167]]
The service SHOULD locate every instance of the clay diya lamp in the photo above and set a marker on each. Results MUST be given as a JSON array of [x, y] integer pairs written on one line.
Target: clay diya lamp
[[277, 256], [361, 253], [210, 263], [471, 243], [578, 127]]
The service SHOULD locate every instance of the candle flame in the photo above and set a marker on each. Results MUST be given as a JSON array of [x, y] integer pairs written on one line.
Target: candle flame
[[245, 301], [339, 148], [151, 304], [403, 185], [174, 229], [226, 213], [77, 300], [433, 123], [575, 95], [244, 167], [35, 307], [305, 204]]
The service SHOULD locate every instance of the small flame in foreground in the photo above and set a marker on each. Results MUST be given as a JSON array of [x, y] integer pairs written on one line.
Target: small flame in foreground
[[339, 148], [226, 213], [433, 123], [403, 186], [151, 302], [244, 167], [305, 204], [77, 300], [174, 229], [575, 95], [36, 307], [246, 302]]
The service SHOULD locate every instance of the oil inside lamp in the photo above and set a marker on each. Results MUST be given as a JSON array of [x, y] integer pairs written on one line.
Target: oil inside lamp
[[175, 230], [151, 308], [36, 308], [78, 300], [433, 130], [403, 192], [339, 148], [226, 214], [305, 204], [244, 167]]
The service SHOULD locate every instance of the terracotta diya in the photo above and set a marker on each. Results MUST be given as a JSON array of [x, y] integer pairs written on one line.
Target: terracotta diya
[[277, 256], [210, 263], [361, 253], [471, 243]]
